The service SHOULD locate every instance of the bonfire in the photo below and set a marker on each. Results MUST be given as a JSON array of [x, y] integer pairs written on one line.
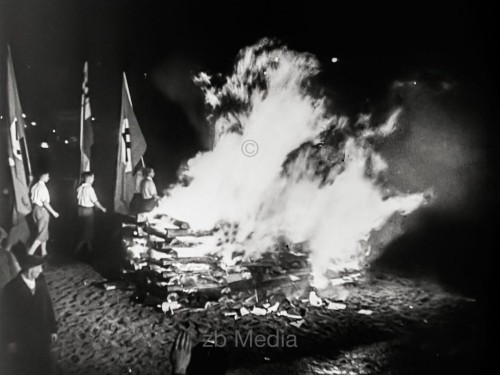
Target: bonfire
[[291, 194]]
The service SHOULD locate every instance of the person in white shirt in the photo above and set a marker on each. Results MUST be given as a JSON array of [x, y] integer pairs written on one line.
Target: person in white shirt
[[87, 200], [40, 200], [148, 191]]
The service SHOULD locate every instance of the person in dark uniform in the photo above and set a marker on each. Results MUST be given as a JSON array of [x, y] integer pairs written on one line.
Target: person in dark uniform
[[27, 321]]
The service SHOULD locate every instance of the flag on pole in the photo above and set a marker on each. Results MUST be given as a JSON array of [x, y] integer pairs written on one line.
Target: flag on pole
[[131, 148], [22, 203], [86, 131]]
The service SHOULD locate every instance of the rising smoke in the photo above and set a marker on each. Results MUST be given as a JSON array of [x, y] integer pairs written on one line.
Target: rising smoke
[[312, 176]]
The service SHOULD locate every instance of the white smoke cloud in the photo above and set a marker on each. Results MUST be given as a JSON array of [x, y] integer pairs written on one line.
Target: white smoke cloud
[[266, 101]]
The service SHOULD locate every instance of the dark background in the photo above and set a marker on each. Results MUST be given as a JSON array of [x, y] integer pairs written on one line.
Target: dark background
[[159, 44]]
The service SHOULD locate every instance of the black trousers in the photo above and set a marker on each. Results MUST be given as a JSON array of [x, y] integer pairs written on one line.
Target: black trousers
[[86, 221], [147, 205], [135, 203]]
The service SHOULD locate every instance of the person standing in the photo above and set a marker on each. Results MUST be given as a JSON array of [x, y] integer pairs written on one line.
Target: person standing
[[148, 191], [87, 200], [40, 199], [27, 321], [135, 203]]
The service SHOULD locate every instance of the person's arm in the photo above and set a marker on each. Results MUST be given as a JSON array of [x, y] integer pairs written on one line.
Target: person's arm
[[100, 206], [50, 209], [150, 189], [45, 199], [96, 201], [40, 194], [153, 191]]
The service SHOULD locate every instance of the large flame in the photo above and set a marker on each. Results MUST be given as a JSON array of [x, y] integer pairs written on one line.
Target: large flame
[[260, 175]]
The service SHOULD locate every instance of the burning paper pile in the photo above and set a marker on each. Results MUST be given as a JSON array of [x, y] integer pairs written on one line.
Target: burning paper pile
[[173, 271], [165, 266]]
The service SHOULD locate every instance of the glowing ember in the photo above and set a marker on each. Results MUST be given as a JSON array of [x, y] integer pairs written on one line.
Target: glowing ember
[[262, 176]]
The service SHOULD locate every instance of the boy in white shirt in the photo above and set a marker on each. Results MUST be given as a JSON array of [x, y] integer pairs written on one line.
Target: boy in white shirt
[[148, 191], [40, 200], [87, 200]]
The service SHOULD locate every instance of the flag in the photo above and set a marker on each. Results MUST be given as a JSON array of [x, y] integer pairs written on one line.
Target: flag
[[86, 131], [131, 148], [22, 203]]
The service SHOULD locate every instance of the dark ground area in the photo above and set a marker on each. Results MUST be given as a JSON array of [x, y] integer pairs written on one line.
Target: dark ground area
[[415, 328], [417, 325]]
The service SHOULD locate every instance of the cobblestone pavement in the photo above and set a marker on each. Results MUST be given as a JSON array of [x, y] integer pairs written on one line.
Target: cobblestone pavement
[[414, 327]]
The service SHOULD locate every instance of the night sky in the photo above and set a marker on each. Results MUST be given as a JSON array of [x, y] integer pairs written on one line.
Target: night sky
[[160, 44]]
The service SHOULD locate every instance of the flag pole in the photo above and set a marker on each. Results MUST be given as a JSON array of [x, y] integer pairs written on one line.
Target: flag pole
[[30, 175], [81, 125], [126, 89]]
